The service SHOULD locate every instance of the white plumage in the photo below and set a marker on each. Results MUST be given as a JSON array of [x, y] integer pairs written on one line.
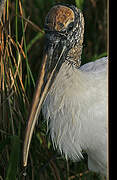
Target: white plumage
[[76, 110]]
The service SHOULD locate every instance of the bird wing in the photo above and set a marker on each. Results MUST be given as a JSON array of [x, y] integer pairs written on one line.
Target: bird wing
[[95, 66]]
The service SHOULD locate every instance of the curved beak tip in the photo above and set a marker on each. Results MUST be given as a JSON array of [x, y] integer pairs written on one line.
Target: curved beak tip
[[39, 96]]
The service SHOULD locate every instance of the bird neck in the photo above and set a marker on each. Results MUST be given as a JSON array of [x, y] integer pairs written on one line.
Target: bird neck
[[74, 55]]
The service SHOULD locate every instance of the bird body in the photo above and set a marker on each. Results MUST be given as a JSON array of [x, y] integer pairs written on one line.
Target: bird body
[[73, 98], [75, 108]]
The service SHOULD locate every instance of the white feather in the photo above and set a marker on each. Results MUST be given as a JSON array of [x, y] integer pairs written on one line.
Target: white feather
[[76, 111]]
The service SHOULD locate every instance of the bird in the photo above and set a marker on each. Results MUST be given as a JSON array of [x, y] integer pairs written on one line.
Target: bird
[[73, 97]]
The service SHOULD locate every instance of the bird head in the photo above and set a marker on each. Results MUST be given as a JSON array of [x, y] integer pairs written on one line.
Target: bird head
[[64, 29]]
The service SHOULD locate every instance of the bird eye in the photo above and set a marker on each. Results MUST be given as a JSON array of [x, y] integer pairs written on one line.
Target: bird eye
[[61, 25], [70, 26]]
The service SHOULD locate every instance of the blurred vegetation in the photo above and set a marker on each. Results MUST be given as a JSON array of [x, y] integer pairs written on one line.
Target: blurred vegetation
[[22, 40]]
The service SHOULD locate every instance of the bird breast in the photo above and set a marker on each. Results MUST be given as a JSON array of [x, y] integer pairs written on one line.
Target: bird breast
[[74, 109]]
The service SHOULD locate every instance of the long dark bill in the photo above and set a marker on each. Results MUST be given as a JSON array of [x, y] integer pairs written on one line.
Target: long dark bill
[[51, 64]]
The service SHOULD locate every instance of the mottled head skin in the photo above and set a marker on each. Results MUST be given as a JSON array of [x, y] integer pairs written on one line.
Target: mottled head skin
[[68, 24], [59, 17]]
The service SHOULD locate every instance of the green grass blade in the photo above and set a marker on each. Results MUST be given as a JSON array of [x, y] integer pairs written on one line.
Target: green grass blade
[[38, 36], [79, 3], [4, 143], [29, 73], [16, 21], [14, 158], [99, 56]]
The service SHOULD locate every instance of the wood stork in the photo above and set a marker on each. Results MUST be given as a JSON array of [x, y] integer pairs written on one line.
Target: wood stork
[[73, 98]]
